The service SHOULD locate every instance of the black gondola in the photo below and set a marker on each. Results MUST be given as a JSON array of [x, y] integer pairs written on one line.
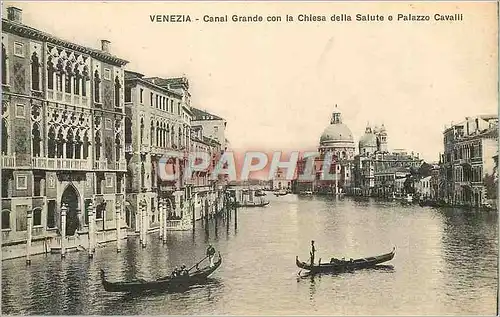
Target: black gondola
[[167, 283], [336, 265]]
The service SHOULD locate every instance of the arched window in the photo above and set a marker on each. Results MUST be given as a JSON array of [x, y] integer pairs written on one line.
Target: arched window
[[37, 217], [85, 77], [86, 144], [78, 145], [5, 219], [68, 79], [69, 145], [97, 83], [36, 140], [5, 137], [97, 145], [51, 143], [60, 143], [35, 72], [128, 130], [118, 147], [50, 73], [143, 175], [153, 174], [180, 137], [142, 130], [59, 72], [4, 65], [157, 133], [76, 80], [152, 132], [172, 136], [117, 92]]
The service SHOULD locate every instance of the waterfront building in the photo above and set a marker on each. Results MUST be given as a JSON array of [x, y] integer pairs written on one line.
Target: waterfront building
[[423, 188], [469, 149], [157, 123], [63, 139], [375, 169], [338, 141]]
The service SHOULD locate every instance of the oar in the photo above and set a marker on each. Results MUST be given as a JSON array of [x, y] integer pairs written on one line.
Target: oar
[[197, 263]]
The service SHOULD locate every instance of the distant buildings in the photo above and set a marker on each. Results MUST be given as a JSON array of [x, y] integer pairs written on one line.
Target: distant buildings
[[468, 161], [378, 172]]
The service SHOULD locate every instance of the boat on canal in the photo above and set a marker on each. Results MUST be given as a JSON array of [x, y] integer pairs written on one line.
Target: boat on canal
[[254, 204], [167, 283], [337, 265], [281, 192]]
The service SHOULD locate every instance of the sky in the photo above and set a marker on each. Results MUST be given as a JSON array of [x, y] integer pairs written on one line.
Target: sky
[[276, 84]]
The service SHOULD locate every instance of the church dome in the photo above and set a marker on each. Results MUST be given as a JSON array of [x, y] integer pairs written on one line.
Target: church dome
[[336, 132], [368, 140]]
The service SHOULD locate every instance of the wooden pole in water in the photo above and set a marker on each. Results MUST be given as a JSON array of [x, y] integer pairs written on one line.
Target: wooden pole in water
[[162, 221], [118, 226], [64, 209], [29, 219], [91, 229]]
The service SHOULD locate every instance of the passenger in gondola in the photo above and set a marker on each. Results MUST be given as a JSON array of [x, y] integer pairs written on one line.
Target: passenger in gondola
[[210, 254], [184, 271], [313, 251], [175, 272]]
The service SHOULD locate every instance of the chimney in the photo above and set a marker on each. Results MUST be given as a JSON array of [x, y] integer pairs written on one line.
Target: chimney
[[105, 46], [15, 14]]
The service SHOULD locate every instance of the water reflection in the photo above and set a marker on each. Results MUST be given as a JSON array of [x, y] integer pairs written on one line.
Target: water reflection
[[445, 263]]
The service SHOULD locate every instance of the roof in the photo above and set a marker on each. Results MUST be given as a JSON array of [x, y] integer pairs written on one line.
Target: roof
[[203, 115], [131, 76], [35, 34]]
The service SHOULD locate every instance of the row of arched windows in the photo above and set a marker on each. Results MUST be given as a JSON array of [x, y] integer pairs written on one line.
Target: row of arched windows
[[37, 218], [164, 135]]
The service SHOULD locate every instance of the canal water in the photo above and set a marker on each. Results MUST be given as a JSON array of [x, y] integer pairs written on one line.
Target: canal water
[[445, 263]]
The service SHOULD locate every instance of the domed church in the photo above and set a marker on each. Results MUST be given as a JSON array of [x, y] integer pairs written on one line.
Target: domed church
[[336, 139]]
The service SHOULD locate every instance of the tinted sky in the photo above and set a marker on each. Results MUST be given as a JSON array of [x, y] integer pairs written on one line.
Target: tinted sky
[[276, 84]]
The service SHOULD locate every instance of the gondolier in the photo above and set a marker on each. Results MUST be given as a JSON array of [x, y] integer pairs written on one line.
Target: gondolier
[[313, 251], [210, 254]]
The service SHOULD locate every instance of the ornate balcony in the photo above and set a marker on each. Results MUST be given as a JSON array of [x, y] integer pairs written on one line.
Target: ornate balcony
[[8, 161], [60, 163]]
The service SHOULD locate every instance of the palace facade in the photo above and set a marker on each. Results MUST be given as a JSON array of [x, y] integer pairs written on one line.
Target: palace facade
[[63, 124]]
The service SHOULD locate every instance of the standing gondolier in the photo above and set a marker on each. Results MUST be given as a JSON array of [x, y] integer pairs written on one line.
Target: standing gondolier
[[210, 254], [313, 251]]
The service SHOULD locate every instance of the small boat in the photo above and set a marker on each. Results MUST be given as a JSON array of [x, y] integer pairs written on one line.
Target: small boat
[[280, 192], [254, 204], [167, 283], [337, 265], [407, 200], [260, 193]]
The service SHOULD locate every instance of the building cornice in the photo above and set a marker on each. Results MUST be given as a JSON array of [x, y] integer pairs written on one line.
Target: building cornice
[[34, 34]]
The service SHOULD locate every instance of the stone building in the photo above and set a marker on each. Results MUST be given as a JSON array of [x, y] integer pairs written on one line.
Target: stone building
[[375, 168], [468, 158], [157, 123], [337, 141], [63, 137]]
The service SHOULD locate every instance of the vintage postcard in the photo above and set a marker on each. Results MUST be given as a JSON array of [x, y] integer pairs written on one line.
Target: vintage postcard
[[249, 158]]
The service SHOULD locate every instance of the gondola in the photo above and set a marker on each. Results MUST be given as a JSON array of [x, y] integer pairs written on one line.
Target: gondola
[[336, 265], [254, 204], [166, 283]]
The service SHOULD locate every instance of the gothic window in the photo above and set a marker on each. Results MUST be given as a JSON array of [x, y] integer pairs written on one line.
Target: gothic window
[[50, 74], [117, 92], [143, 175], [157, 133], [58, 81], [69, 145], [172, 136], [118, 146], [4, 65], [97, 82], [78, 145], [35, 72], [150, 98], [86, 144], [97, 146], [51, 214], [51, 143], [180, 137], [60, 143], [36, 140], [5, 137], [142, 130], [76, 81], [153, 173], [128, 94], [85, 76]]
